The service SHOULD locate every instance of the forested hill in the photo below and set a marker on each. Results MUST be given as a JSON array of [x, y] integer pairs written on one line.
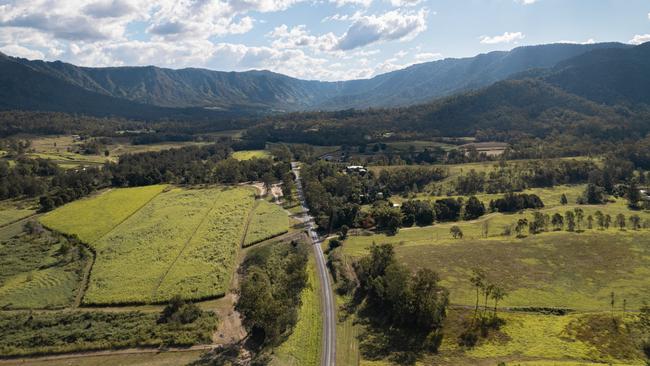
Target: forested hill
[[528, 107], [25, 88], [611, 76], [107, 91]]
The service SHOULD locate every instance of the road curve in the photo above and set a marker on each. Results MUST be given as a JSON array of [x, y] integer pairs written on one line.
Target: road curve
[[327, 299]]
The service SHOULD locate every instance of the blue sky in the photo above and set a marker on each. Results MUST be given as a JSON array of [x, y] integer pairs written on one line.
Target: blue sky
[[319, 39]]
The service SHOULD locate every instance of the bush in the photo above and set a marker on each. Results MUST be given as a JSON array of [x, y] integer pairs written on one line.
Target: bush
[[180, 312]]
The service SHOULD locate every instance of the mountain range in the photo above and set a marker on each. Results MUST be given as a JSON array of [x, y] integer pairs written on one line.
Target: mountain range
[[604, 72]]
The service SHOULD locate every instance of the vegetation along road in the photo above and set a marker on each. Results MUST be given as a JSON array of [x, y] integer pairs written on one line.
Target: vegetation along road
[[329, 315]]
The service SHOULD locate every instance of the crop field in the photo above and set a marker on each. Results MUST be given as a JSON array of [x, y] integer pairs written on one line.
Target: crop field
[[250, 154], [302, 348], [268, 220], [182, 242], [40, 271], [93, 217]]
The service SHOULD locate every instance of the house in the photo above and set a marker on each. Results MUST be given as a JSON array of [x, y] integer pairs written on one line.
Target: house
[[360, 169]]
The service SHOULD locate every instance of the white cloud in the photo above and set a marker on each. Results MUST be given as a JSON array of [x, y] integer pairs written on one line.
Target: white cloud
[[589, 41], [506, 37], [20, 51], [400, 3], [298, 36], [640, 38], [526, 2], [427, 56], [340, 3], [393, 25]]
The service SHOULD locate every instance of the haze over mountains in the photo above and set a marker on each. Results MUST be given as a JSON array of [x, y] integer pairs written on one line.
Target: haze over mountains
[[605, 73]]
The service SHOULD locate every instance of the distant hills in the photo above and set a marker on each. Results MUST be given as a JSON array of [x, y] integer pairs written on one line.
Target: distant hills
[[605, 72]]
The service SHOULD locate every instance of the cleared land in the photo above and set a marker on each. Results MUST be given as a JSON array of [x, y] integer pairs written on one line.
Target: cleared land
[[40, 271], [574, 270], [302, 348], [268, 220], [11, 211], [553, 269], [182, 242], [250, 154], [93, 217]]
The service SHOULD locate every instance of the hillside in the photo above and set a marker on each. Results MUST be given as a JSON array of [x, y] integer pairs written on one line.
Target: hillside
[[26, 88], [259, 90], [506, 108], [609, 76]]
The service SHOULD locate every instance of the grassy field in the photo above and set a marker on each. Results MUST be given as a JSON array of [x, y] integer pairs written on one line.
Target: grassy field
[[552, 269], [62, 150], [581, 339], [268, 220], [250, 154], [40, 271], [302, 348], [161, 358], [93, 217], [182, 242], [12, 211], [550, 196]]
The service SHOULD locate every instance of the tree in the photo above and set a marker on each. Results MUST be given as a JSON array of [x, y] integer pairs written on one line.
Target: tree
[[633, 195], [485, 228], [537, 224], [387, 218], [608, 221], [456, 232], [600, 219], [590, 222], [563, 199], [557, 221], [498, 294], [478, 281], [521, 225], [593, 195], [635, 221], [570, 219], [580, 215], [474, 209], [620, 221]]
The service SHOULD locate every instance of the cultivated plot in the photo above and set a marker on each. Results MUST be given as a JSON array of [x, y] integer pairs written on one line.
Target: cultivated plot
[[267, 221], [182, 242], [93, 217]]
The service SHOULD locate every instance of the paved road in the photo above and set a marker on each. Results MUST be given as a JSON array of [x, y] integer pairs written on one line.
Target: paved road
[[327, 299]]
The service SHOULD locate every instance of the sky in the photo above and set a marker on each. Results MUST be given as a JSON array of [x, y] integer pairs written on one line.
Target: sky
[[308, 39]]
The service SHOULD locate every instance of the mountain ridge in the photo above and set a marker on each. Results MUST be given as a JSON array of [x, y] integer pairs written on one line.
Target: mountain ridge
[[264, 91]]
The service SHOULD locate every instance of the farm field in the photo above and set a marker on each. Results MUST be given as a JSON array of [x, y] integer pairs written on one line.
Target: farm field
[[141, 359], [250, 154], [302, 348], [268, 220], [40, 271], [91, 218], [62, 150], [183, 242]]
